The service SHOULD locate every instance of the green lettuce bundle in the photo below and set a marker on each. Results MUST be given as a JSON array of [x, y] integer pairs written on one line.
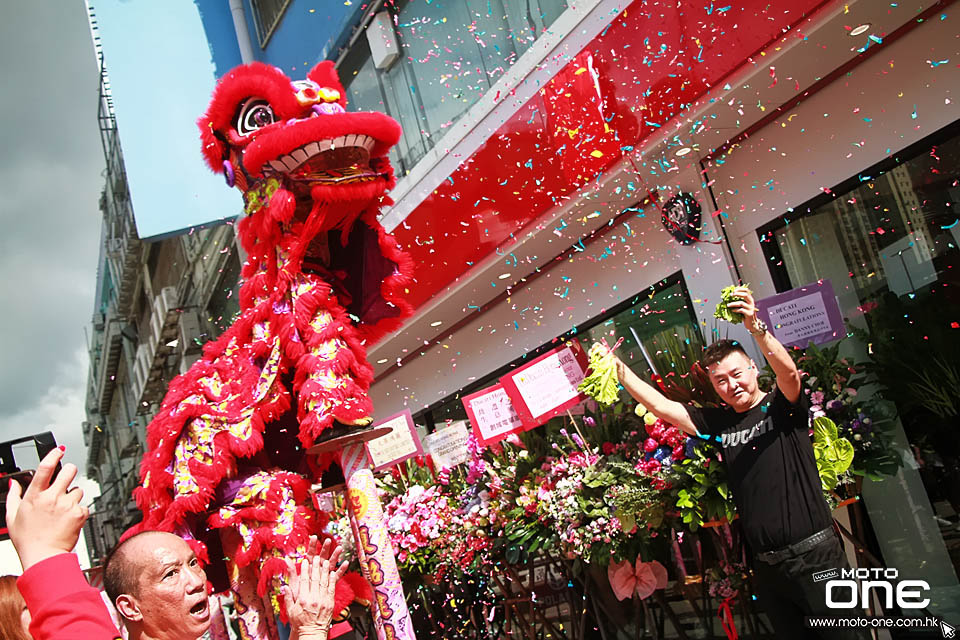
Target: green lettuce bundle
[[601, 383], [722, 312]]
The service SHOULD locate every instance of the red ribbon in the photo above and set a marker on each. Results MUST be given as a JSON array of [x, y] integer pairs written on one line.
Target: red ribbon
[[726, 619]]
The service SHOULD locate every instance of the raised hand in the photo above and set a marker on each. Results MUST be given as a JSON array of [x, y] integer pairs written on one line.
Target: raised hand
[[47, 519], [745, 306], [309, 596]]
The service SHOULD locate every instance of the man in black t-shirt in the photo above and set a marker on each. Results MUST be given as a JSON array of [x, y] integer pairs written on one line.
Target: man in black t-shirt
[[772, 472]]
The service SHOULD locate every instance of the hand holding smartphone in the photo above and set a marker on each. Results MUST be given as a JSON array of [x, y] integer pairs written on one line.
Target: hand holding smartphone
[[9, 470], [46, 519]]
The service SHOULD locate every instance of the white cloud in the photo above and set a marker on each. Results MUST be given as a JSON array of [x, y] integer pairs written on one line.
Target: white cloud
[[51, 170], [10, 561], [59, 409]]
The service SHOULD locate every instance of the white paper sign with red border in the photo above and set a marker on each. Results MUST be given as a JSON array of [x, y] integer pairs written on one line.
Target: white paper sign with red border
[[548, 385], [400, 444], [492, 414]]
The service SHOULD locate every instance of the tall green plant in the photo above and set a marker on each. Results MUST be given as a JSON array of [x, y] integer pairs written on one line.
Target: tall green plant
[[834, 453], [936, 387]]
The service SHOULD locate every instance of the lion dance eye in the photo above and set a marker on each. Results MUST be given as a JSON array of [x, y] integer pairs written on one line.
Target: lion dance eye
[[254, 114]]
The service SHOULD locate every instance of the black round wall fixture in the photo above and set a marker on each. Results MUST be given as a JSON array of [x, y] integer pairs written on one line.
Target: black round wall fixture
[[681, 218]]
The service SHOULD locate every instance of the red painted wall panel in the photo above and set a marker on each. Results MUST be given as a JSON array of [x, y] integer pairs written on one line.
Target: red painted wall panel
[[646, 67]]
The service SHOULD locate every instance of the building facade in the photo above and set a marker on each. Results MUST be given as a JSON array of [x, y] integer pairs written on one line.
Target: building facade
[[541, 138], [156, 304]]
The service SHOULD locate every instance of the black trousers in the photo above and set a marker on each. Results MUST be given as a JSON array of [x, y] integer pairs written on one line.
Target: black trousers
[[787, 593]]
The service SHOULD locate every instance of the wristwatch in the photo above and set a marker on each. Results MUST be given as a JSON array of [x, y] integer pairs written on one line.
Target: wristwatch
[[760, 326]]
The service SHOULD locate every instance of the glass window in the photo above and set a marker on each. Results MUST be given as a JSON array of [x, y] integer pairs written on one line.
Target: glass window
[[440, 43], [888, 241], [659, 331], [109, 293], [403, 103], [452, 52], [364, 92], [527, 19], [267, 14]]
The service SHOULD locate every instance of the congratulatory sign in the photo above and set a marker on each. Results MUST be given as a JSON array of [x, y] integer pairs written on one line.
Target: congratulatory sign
[[804, 315]]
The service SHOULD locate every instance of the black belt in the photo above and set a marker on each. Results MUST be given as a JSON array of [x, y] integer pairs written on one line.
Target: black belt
[[797, 548]]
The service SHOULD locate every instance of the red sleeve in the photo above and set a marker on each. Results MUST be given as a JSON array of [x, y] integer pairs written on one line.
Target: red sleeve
[[62, 605]]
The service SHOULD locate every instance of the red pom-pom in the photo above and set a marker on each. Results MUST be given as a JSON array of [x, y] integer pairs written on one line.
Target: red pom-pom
[[360, 589], [282, 205]]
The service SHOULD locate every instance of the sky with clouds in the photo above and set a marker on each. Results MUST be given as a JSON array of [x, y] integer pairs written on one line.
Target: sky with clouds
[[51, 170]]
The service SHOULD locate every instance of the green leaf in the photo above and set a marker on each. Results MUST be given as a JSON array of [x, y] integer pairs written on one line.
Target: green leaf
[[601, 383], [824, 430], [723, 312], [834, 454]]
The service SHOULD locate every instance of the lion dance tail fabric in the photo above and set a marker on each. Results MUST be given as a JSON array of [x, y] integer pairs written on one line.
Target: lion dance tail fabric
[[226, 466]]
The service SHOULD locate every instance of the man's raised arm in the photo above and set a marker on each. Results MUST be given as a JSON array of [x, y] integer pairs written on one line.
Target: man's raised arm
[[658, 404], [788, 377]]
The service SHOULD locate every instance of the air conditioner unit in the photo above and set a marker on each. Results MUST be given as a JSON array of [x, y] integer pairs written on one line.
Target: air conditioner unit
[[164, 304], [187, 360], [167, 300], [142, 366], [189, 332], [156, 326], [384, 48]]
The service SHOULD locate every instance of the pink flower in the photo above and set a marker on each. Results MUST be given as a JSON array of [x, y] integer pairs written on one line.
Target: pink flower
[[515, 440], [650, 445]]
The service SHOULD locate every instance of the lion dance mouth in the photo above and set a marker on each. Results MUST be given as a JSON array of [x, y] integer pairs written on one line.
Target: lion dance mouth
[[227, 465], [340, 160]]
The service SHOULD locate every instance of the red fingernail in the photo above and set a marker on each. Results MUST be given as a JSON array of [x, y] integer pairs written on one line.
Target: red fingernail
[[10, 486], [62, 447]]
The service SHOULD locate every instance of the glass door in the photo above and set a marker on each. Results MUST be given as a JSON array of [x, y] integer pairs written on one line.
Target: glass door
[[889, 241]]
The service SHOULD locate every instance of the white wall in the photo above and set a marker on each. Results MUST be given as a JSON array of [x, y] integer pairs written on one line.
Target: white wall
[[492, 339], [827, 139]]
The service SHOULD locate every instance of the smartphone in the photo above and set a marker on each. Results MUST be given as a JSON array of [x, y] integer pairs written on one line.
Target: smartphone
[[43, 443]]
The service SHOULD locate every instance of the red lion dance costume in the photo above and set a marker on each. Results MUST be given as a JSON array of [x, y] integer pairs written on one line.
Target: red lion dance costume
[[227, 466]]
